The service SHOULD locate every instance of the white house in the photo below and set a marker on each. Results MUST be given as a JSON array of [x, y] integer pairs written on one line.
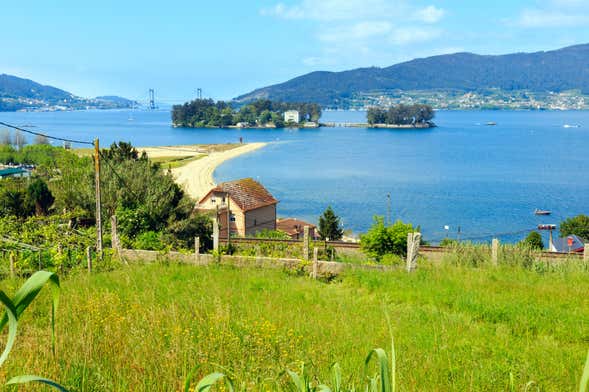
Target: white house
[[292, 116]]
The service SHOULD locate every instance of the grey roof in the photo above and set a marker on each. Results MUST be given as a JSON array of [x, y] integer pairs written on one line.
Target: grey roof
[[561, 244]]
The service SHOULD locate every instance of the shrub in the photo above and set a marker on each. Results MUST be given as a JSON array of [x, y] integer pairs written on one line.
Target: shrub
[[578, 225], [150, 240], [381, 239], [533, 241]]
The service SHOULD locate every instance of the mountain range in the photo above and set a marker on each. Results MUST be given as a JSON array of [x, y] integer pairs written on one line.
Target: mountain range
[[24, 94], [547, 71]]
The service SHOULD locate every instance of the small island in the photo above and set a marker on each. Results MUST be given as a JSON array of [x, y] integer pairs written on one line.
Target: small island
[[262, 113], [401, 116]]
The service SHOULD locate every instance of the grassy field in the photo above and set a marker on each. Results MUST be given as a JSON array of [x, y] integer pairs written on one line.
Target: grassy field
[[456, 328]]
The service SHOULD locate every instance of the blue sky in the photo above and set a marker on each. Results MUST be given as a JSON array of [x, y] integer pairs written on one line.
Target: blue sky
[[231, 47]]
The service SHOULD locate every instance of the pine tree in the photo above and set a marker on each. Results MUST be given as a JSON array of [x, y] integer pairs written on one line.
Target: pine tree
[[329, 226]]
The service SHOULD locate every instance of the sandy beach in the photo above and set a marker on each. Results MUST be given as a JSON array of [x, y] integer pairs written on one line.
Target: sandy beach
[[196, 177]]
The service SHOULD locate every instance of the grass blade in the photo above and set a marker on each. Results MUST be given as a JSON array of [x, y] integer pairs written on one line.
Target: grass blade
[[29, 291], [12, 325], [27, 379], [383, 362], [208, 381], [585, 377], [188, 379]]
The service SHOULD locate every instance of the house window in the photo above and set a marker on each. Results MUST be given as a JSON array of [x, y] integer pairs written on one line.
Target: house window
[[255, 222], [232, 218], [213, 200], [223, 200]]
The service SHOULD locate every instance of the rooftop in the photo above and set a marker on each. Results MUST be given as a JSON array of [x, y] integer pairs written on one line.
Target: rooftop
[[247, 193], [292, 226]]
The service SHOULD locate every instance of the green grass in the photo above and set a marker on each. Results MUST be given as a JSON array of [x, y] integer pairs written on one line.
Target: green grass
[[456, 328]]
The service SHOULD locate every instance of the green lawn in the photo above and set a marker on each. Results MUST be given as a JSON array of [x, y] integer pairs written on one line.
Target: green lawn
[[456, 328]]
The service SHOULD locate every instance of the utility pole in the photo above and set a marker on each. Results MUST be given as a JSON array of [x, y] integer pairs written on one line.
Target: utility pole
[[98, 207]]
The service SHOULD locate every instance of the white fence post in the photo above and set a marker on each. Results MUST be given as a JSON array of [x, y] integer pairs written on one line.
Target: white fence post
[[306, 242], [495, 251], [197, 249], [315, 263], [413, 242]]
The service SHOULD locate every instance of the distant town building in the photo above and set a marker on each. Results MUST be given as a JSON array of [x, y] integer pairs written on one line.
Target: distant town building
[[295, 228], [561, 245], [292, 116], [251, 207]]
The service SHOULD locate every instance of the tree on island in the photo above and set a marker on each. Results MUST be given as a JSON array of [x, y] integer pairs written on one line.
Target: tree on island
[[401, 115], [578, 225], [263, 112], [330, 226]]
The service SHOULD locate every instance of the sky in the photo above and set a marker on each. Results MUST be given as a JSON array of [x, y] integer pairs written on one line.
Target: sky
[[231, 47]]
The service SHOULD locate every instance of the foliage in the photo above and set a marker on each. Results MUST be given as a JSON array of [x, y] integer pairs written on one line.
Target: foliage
[[16, 306], [534, 241], [401, 115], [330, 226], [184, 232], [40, 195], [208, 113], [578, 225], [14, 200], [272, 234], [381, 239], [149, 240], [449, 242]]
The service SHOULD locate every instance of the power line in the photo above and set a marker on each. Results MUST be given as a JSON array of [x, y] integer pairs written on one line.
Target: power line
[[45, 135]]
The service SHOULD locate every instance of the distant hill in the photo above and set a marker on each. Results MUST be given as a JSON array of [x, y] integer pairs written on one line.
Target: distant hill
[[558, 70], [24, 94]]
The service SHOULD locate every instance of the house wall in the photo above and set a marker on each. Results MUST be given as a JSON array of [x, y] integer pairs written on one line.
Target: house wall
[[260, 219]]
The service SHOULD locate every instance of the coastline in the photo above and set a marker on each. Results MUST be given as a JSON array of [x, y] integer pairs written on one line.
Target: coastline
[[196, 177]]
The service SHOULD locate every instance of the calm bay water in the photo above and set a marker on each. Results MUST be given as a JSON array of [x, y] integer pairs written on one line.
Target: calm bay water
[[487, 180]]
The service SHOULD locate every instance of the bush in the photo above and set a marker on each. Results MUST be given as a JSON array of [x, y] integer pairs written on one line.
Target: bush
[[381, 240], [533, 241], [150, 240]]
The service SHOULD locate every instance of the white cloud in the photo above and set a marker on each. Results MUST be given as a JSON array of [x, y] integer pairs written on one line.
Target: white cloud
[[412, 35], [555, 13], [365, 30], [533, 18], [337, 10], [430, 14]]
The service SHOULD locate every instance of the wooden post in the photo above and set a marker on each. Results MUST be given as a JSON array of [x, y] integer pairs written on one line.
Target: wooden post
[[215, 234], [228, 223], [315, 263], [495, 251], [114, 234], [586, 253], [413, 242], [89, 258], [98, 201], [197, 249], [306, 243], [12, 261]]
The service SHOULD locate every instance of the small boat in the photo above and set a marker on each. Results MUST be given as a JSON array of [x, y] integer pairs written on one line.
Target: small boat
[[542, 212], [491, 123], [571, 126]]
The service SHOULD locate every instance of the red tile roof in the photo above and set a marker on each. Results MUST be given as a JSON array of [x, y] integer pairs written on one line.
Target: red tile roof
[[292, 226], [247, 193]]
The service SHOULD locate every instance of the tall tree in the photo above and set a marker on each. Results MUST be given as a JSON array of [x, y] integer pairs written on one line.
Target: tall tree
[[40, 195], [578, 225], [330, 226]]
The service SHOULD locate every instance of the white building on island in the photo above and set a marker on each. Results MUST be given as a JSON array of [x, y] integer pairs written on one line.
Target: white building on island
[[292, 116]]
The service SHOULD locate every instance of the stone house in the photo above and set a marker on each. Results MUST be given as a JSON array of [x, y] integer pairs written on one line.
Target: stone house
[[245, 203]]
